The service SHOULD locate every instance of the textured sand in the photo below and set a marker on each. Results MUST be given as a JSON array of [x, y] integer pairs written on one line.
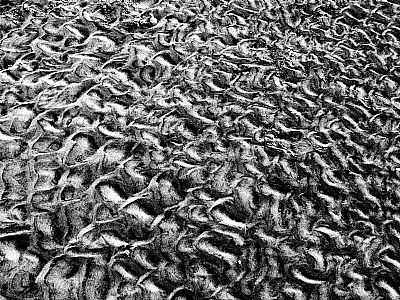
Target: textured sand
[[199, 150]]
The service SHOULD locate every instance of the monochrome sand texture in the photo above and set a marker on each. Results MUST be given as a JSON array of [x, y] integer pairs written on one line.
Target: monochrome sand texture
[[195, 149]]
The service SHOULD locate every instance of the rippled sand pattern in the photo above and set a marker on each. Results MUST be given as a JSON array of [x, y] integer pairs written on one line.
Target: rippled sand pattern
[[182, 150]]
